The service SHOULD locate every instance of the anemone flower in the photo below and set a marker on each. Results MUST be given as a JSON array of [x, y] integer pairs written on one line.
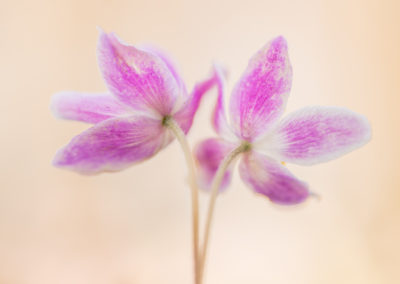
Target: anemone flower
[[306, 137], [132, 122], [146, 106]]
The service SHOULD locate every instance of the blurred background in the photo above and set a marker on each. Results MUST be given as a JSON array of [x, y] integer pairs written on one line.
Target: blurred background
[[134, 226]]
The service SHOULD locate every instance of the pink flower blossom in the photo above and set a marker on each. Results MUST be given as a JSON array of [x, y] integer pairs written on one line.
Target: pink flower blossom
[[306, 137], [144, 92]]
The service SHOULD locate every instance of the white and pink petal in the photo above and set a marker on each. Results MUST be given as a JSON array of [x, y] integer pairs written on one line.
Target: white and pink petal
[[185, 114], [209, 155], [87, 107], [271, 179], [169, 63], [219, 119], [319, 134], [138, 78], [260, 96], [113, 145]]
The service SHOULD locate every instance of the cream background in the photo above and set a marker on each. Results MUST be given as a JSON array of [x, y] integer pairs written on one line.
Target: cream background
[[134, 226]]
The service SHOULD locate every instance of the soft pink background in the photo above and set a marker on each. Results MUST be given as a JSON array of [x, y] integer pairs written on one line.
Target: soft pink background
[[134, 226]]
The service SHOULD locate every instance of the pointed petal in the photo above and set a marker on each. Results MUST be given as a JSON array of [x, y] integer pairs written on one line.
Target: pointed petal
[[138, 78], [261, 94], [209, 154], [169, 63], [86, 107], [267, 177], [219, 120], [319, 134], [113, 145], [185, 114]]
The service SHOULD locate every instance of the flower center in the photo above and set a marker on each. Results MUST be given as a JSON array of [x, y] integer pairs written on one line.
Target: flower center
[[165, 120], [246, 146]]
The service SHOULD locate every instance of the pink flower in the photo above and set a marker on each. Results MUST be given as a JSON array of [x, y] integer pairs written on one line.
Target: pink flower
[[145, 92], [306, 137]]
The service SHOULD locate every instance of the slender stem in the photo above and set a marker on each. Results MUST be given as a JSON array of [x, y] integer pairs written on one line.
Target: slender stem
[[180, 136], [214, 193]]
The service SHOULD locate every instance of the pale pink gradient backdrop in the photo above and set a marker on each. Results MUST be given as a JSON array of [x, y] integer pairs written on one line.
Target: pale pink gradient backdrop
[[134, 226]]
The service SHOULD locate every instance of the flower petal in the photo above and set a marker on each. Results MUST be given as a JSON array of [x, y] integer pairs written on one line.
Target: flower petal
[[86, 107], [261, 94], [113, 145], [185, 114], [169, 63], [219, 120], [138, 78], [319, 134], [209, 154], [266, 176]]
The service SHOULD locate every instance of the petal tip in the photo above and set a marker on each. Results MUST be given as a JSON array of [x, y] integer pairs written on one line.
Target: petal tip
[[366, 128], [56, 103], [301, 194], [219, 69], [278, 49], [100, 30], [58, 160], [279, 41], [108, 39], [361, 126], [102, 35]]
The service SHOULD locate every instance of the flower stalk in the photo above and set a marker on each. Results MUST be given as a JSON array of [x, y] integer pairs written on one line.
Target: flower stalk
[[180, 136], [216, 184]]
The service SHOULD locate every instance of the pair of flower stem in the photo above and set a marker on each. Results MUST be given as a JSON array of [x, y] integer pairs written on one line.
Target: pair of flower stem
[[200, 252], [147, 100]]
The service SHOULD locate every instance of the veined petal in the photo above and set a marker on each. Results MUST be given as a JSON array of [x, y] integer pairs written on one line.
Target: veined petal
[[138, 78], [169, 63], [261, 94], [319, 134], [113, 145], [86, 107], [219, 120], [209, 154], [267, 177], [185, 114]]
